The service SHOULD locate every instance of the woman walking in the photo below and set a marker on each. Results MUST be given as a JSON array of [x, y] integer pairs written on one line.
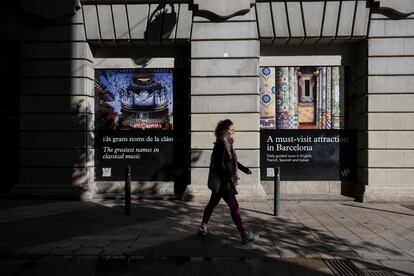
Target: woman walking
[[223, 179]]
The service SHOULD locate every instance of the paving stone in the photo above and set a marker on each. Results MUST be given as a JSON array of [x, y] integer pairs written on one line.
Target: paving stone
[[79, 266], [350, 254], [287, 251], [116, 248], [179, 252], [400, 267], [44, 266], [13, 266], [44, 249], [89, 251], [371, 233]]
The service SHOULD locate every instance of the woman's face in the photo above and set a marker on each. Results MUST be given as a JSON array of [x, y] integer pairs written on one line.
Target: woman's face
[[230, 132]]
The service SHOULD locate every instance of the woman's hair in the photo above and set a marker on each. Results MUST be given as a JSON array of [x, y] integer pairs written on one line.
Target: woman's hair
[[222, 127]]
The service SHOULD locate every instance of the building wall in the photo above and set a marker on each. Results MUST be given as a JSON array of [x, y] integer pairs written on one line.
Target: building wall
[[9, 106], [56, 93], [56, 107], [224, 84], [390, 114]]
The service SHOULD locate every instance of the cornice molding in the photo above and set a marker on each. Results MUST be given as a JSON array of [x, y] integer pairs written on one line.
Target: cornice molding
[[51, 9], [389, 12], [222, 10]]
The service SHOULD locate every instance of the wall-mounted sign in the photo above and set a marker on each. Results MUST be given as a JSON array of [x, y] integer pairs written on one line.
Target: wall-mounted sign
[[308, 154], [134, 123]]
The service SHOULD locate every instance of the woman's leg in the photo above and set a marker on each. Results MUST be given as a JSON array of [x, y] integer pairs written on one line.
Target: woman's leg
[[214, 200], [231, 200]]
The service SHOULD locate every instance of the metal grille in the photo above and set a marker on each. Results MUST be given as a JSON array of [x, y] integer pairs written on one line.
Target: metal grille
[[343, 268], [378, 273]]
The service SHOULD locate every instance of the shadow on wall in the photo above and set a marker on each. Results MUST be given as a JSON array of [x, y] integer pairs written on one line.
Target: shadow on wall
[[161, 23], [46, 142], [51, 9], [56, 152], [83, 176], [9, 117], [194, 158]]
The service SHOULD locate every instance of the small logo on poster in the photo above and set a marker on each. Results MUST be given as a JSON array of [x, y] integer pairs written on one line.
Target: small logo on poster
[[270, 172], [106, 172], [345, 172]]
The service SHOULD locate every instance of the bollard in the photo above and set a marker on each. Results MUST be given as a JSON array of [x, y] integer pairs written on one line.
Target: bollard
[[127, 190], [276, 198]]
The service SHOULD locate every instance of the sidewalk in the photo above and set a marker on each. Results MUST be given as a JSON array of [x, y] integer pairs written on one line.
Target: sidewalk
[[158, 238]]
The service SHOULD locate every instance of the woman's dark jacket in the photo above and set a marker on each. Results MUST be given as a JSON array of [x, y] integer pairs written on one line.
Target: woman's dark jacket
[[223, 169]]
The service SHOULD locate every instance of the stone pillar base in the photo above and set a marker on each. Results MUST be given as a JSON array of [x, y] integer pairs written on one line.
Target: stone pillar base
[[388, 194], [201, 194], [46, 192]]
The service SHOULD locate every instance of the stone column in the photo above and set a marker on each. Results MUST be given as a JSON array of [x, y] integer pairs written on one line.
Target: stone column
[[390, 131], [10, 26], [56, 104], [225, 84]]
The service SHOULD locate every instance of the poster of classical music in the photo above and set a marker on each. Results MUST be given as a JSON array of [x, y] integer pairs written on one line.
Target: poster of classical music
[[134, 124], [134, 99]]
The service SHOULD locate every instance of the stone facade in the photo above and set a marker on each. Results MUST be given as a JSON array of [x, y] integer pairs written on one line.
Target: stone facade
[[56, 46], [390, 104]]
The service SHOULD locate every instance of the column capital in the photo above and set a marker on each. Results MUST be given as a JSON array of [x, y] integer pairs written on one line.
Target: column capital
[[392, 9], [222, 10], [51, 9]]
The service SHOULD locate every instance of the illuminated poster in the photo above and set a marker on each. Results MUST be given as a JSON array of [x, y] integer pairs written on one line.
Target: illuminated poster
[[306, 97], [302, 124], [134, 123]]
